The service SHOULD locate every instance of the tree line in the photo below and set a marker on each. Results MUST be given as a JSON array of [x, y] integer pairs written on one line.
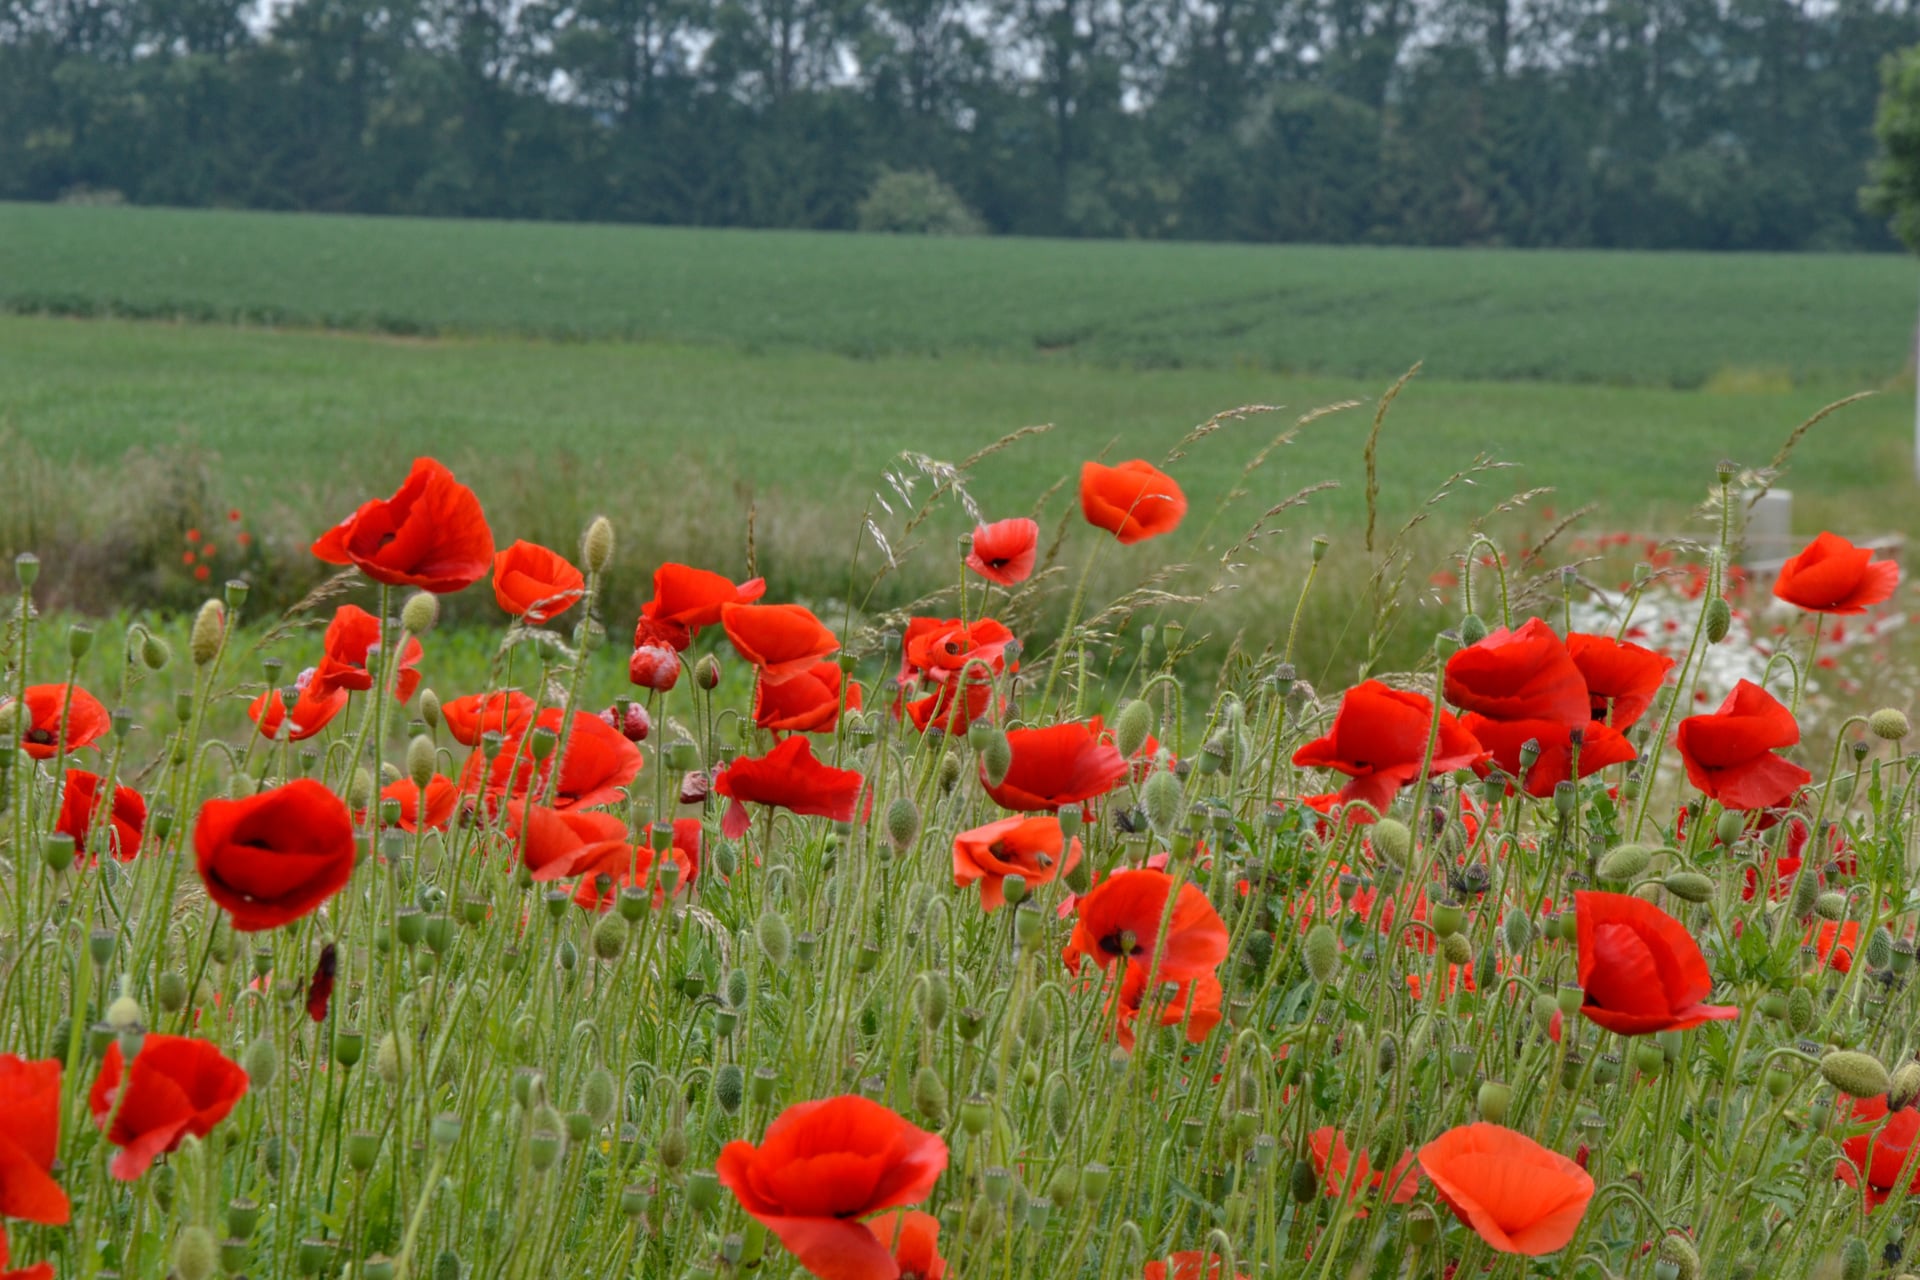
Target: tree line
[[1719, 124]]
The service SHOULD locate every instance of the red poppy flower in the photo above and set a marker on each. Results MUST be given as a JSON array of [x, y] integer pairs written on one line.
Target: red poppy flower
[[945, 709], [596, 764], [1729, 754], [1622, 677], [788, 777], [78, 805], [1516, 1195], [30, 1100], [320, 986], [1880, 1156], [634, 725], [1027, 847], [430, 534], [38, 1271], [556, 845], [1379, 741], [314, 708], [913, 1238], [808, 703], [352, 637], [783, 640], [687, 599], [1834, 943], [1004, 551], [1519, 675], [1641, 970], [442, 795], [1600, 746], [1344, 1176], [602, 879], [1188, 1264], [940, 649], [177, 1086], [655, 667], [1834, 576], [1194, 1003], [535, 583], [824, 1165], [1058, 765], [86, 720], [1120, 920], [1133, 501], [505, 713], [273, 857]]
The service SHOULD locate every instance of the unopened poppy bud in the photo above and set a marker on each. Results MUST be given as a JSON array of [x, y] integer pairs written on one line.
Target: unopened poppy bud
[[419, 614], [1889, 723], [194, 1254], [1132, 727], [930, 1096], [1719, 619], [1472, 630], [1303, 1182], [682, 755], [1800, 1010], [775, 937], [1545, 1010], [1830, 906], [1905, 1089], [1322, 950], [1880, 948], [1518, 930], [1165, 802], [1387, 1053], [996, 758], [729, 1087], [1059, 1119], [903, 822], [209, 628], [391, 1059], [706, 672], [359, 789], [1853, 1259], [609, 937], [1856, 1074], [1391, 840], [1493, 1100], [1688, 886], [261, 1061], [420, 761], [1624, 862], [596, 545]]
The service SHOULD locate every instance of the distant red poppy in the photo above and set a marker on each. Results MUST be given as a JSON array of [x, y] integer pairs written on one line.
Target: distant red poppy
[[505, 713], [783, 640], [1639, 967], [273, 857], [1057, 765], [1004, 551], [824, 1165], [1879, 1156], [1517, 1196], [177, 1086], [1120, 921], [353, 638], [79, 803], [686, 599], [788, 777], [442, 796], [1344, 1175], [1033, 848], [1622, 677], [315, 706], [1378, 739], [1730, 753], [808, 703], [30, 1101], [532, 582], [430, 534], [1193, 1003], [1834, 943], [85, 719], [913, 1238], [1133, 501], [1188, 1264], [596, 764], [1833, 576]]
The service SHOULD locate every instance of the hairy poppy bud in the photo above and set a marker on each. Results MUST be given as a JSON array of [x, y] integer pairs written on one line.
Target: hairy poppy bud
[[1853, 1259], [1624, 862], [596, 545], [209, 628], [1889, 723], [1688, 886], [1322, 952], [1830, 906], [1391, 840], [1132, 727], [1856, 1074], [775, 937], [706, 672], [729, 1087], [930, 1096], [609, 937], [391, 1059], [359, 789], [1059, 1117], [1518, 928], [903, 822], [420, 761], [1472, 630], [1165, 801], [194, 1254], [1303, 1182], [1806, 890], [1800, 1010], [996, 758], [1905, 1088], [1719, 619], [419, 614], [1880, 948], [261, 1061], [1457, 949]]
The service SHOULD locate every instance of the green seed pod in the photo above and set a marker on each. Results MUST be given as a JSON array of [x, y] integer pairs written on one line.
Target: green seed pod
[[1858, 1075], [1060, 1110], [1422, 1229], [596, 545], [932, 992], [1165, 802], [1800, 1010], [170, 989], [729, 1087], [1719, 619], [1853, 1259], [1889, 723], [930, 1096], [703, 1190], [1688, 886], [761, 1087], [1457, 949], [348, 1045], [1831, 906], [1132, 727], [1447, 918], [1493, 1100], [996, 758], [155, 653], [1322, 950], [1303, 1182], [609, 937], [599, 1093], [1880, 948], [194, 1254], [209, 628], [903, 822], [261, 1061], [1624, 862], [776, 938], [363, 1148]]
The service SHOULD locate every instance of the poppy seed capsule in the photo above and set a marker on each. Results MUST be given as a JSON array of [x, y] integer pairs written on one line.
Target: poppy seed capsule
[[1447, 918], [1719, 619], [209, 628], [1856, 1074], [1889, 723], [1493, 1100], [1457, 949]]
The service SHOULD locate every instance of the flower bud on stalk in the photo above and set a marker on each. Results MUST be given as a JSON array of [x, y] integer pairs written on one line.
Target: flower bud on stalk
[[1689, 886], [419, 614], [209, 628], [1800, 1010], [903, 822], [596, 545], [1858, 1075], [1719, 619], [1133, 727], [1322, 950]]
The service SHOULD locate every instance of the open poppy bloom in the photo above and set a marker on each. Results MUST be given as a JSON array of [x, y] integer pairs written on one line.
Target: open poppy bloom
[[273, 857], [1188, 1264], [351, 648], [686, 599], [556, 845], [783, 640], [1621, 677], [30, 1100], [1033, 848], [441, 798], [822, 1167], [1120, 921], [1194, 1003], [532, 582], [1517, 1196], [126, 818], [315, 706], [913, 1238], [942, 649], [596, 764], [505, 713], [1833, 576], [1524, 686], [1878, 1158], [177, 1086], [787, 777], [430, 534], [86, 720], [632, 865], [1004, 551], [1730, 753], [1344, 1175], [1639, 967], [1133, 501], [1058, 765], [808, 703], [1378, 739]]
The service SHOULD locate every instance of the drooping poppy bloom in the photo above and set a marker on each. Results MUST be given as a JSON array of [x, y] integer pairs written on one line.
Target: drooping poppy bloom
[[808, 703], [126, 819], [30, 1101], [1729, 754], [1517, 1196], [1877, 1158], [1194, 1003], [533, 582], [686, 599], [1524, 686], [1133, 501], [557, 845], [1622, 677], [505, 713], [1120, 921], [913, 1238], [315, 706], [1058, 765], [177, 1086], [441, 796], [1004, 551], [1342, 1175], [273, 857], [1639, 967], [788, 777], [596, 763], [430, 534], [823, 1166], [1378, 739], [1833, 576], [351, 648], [1033, 848], [783, 640], [86, 720], [1188, 1264]]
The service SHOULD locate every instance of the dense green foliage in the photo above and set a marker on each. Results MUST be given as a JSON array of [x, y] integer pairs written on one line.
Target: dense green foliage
[[1896, 187], [1409, 121], [1664, 320]]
